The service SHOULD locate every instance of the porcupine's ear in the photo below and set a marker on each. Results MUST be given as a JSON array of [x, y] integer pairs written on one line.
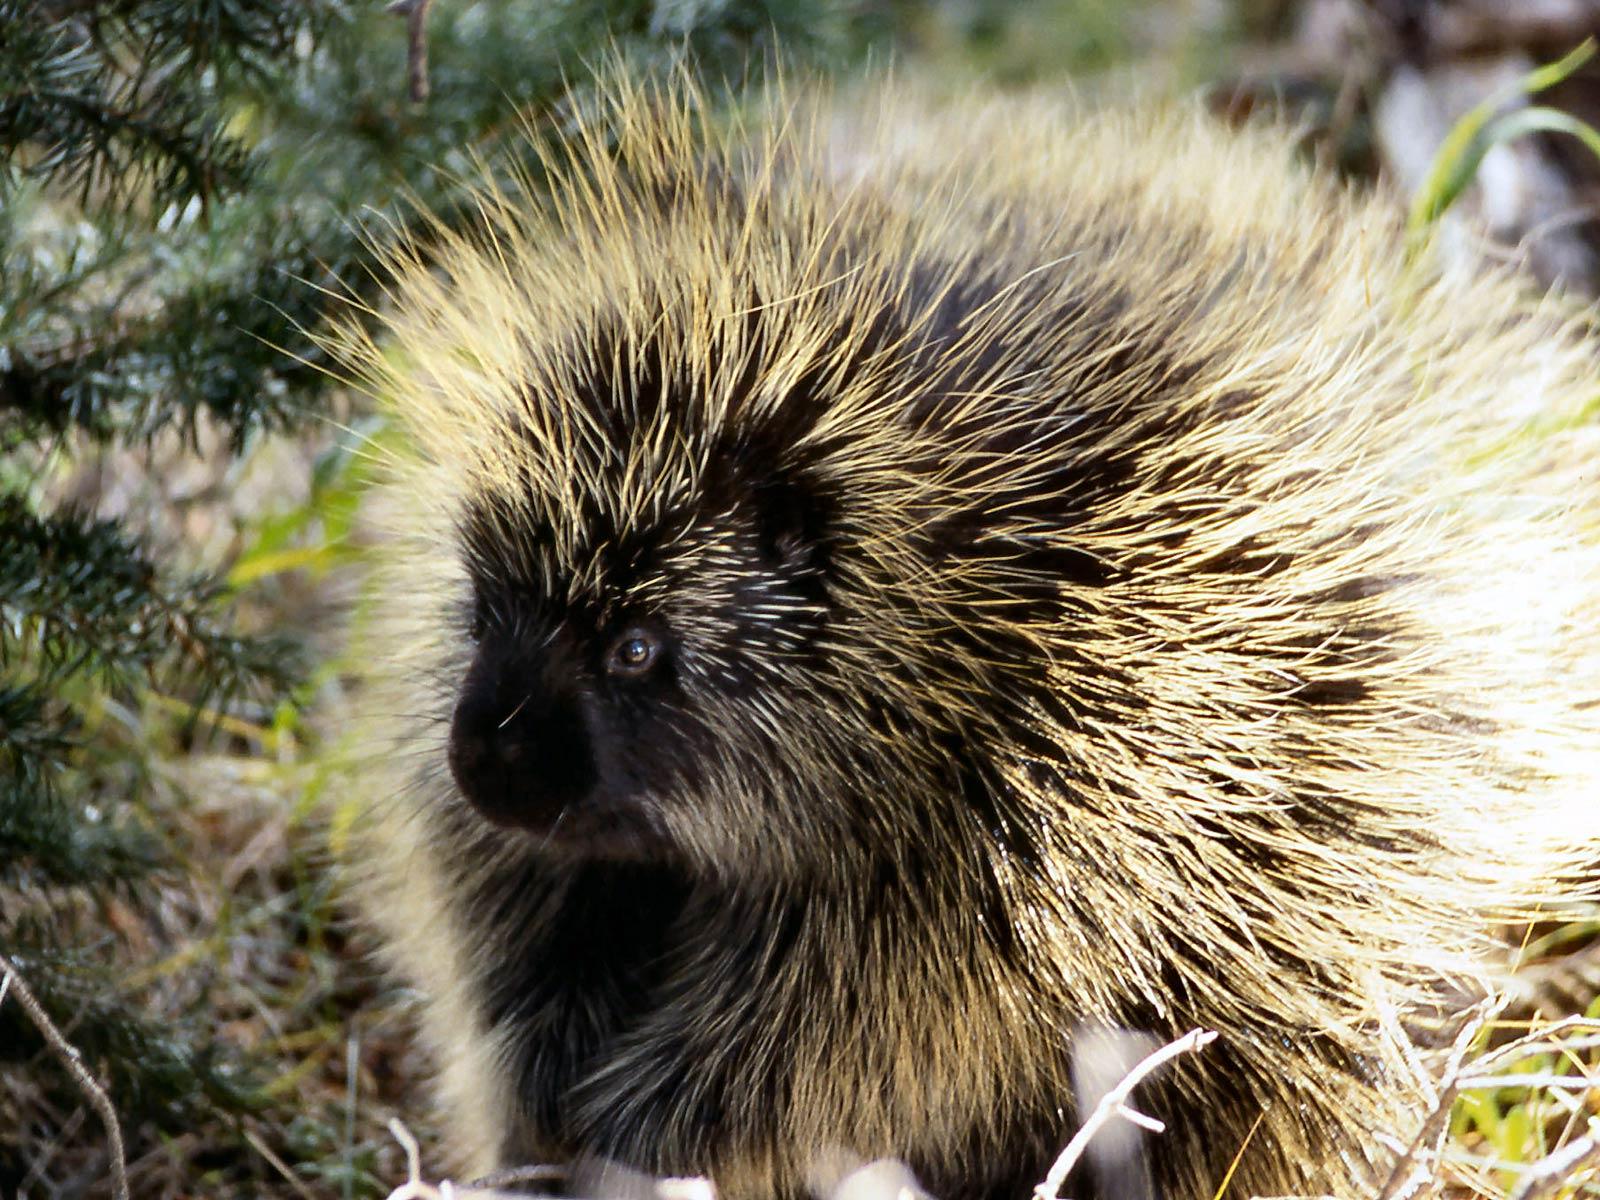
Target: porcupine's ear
[[792, 524]]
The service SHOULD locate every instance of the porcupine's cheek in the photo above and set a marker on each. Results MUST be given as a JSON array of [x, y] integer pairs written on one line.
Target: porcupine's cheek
[[521, 752]]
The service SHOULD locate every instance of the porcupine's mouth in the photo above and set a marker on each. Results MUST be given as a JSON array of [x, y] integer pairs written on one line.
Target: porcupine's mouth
[[621, 832]]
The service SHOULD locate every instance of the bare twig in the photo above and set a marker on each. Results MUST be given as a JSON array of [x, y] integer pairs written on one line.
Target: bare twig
[[1402, 1180], [1547, 1037], [68, 1054], [1543, 1079], [417, 1188], [416, 15], [515, 1176], [1555, 1170], [1115, 1104], [413, 1160], [409, 1144]]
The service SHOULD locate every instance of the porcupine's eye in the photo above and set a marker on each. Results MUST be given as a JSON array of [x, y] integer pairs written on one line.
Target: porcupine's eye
[[633, 654]]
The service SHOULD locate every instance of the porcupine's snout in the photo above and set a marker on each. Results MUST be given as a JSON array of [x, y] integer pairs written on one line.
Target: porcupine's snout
[[520, 750]]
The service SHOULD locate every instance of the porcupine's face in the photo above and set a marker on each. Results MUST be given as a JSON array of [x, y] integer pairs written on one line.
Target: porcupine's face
[[635, 651], [729, 601], [738, 590]]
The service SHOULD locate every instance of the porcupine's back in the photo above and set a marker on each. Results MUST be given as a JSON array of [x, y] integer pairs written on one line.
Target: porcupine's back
[[1200, 598]]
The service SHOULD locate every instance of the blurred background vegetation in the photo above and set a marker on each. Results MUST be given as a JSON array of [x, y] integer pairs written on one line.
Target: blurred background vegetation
[[189, 186]]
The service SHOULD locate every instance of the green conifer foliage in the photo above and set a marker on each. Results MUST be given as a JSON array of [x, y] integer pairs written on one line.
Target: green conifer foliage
[[187, 188]]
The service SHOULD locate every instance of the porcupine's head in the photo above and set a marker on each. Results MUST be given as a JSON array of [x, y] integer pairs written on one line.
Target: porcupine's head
[[739, 551]]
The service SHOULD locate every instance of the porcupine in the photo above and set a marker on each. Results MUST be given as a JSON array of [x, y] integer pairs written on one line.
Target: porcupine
[[878, 588]]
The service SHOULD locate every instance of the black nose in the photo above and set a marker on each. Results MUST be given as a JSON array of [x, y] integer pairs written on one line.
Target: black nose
[[520, 750]]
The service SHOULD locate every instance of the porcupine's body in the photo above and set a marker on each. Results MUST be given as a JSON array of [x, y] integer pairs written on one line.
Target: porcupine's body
[[908, 588]]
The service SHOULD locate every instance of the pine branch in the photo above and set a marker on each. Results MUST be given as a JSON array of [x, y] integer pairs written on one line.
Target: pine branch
[[232, 348], [82, 121], [77, 596], [120, 100]]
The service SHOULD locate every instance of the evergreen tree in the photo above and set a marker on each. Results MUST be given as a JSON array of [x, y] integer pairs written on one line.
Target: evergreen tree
[[184, 187]]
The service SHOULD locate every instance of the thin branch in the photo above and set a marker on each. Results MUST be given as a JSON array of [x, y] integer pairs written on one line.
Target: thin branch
[[514, 1176], [416, 15], [417, 1188], [1543, 1079], [414, 1188], [1114, 1104], [1403, 1180], [1556, 1170], [1551, 1036], [68, 1054]]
